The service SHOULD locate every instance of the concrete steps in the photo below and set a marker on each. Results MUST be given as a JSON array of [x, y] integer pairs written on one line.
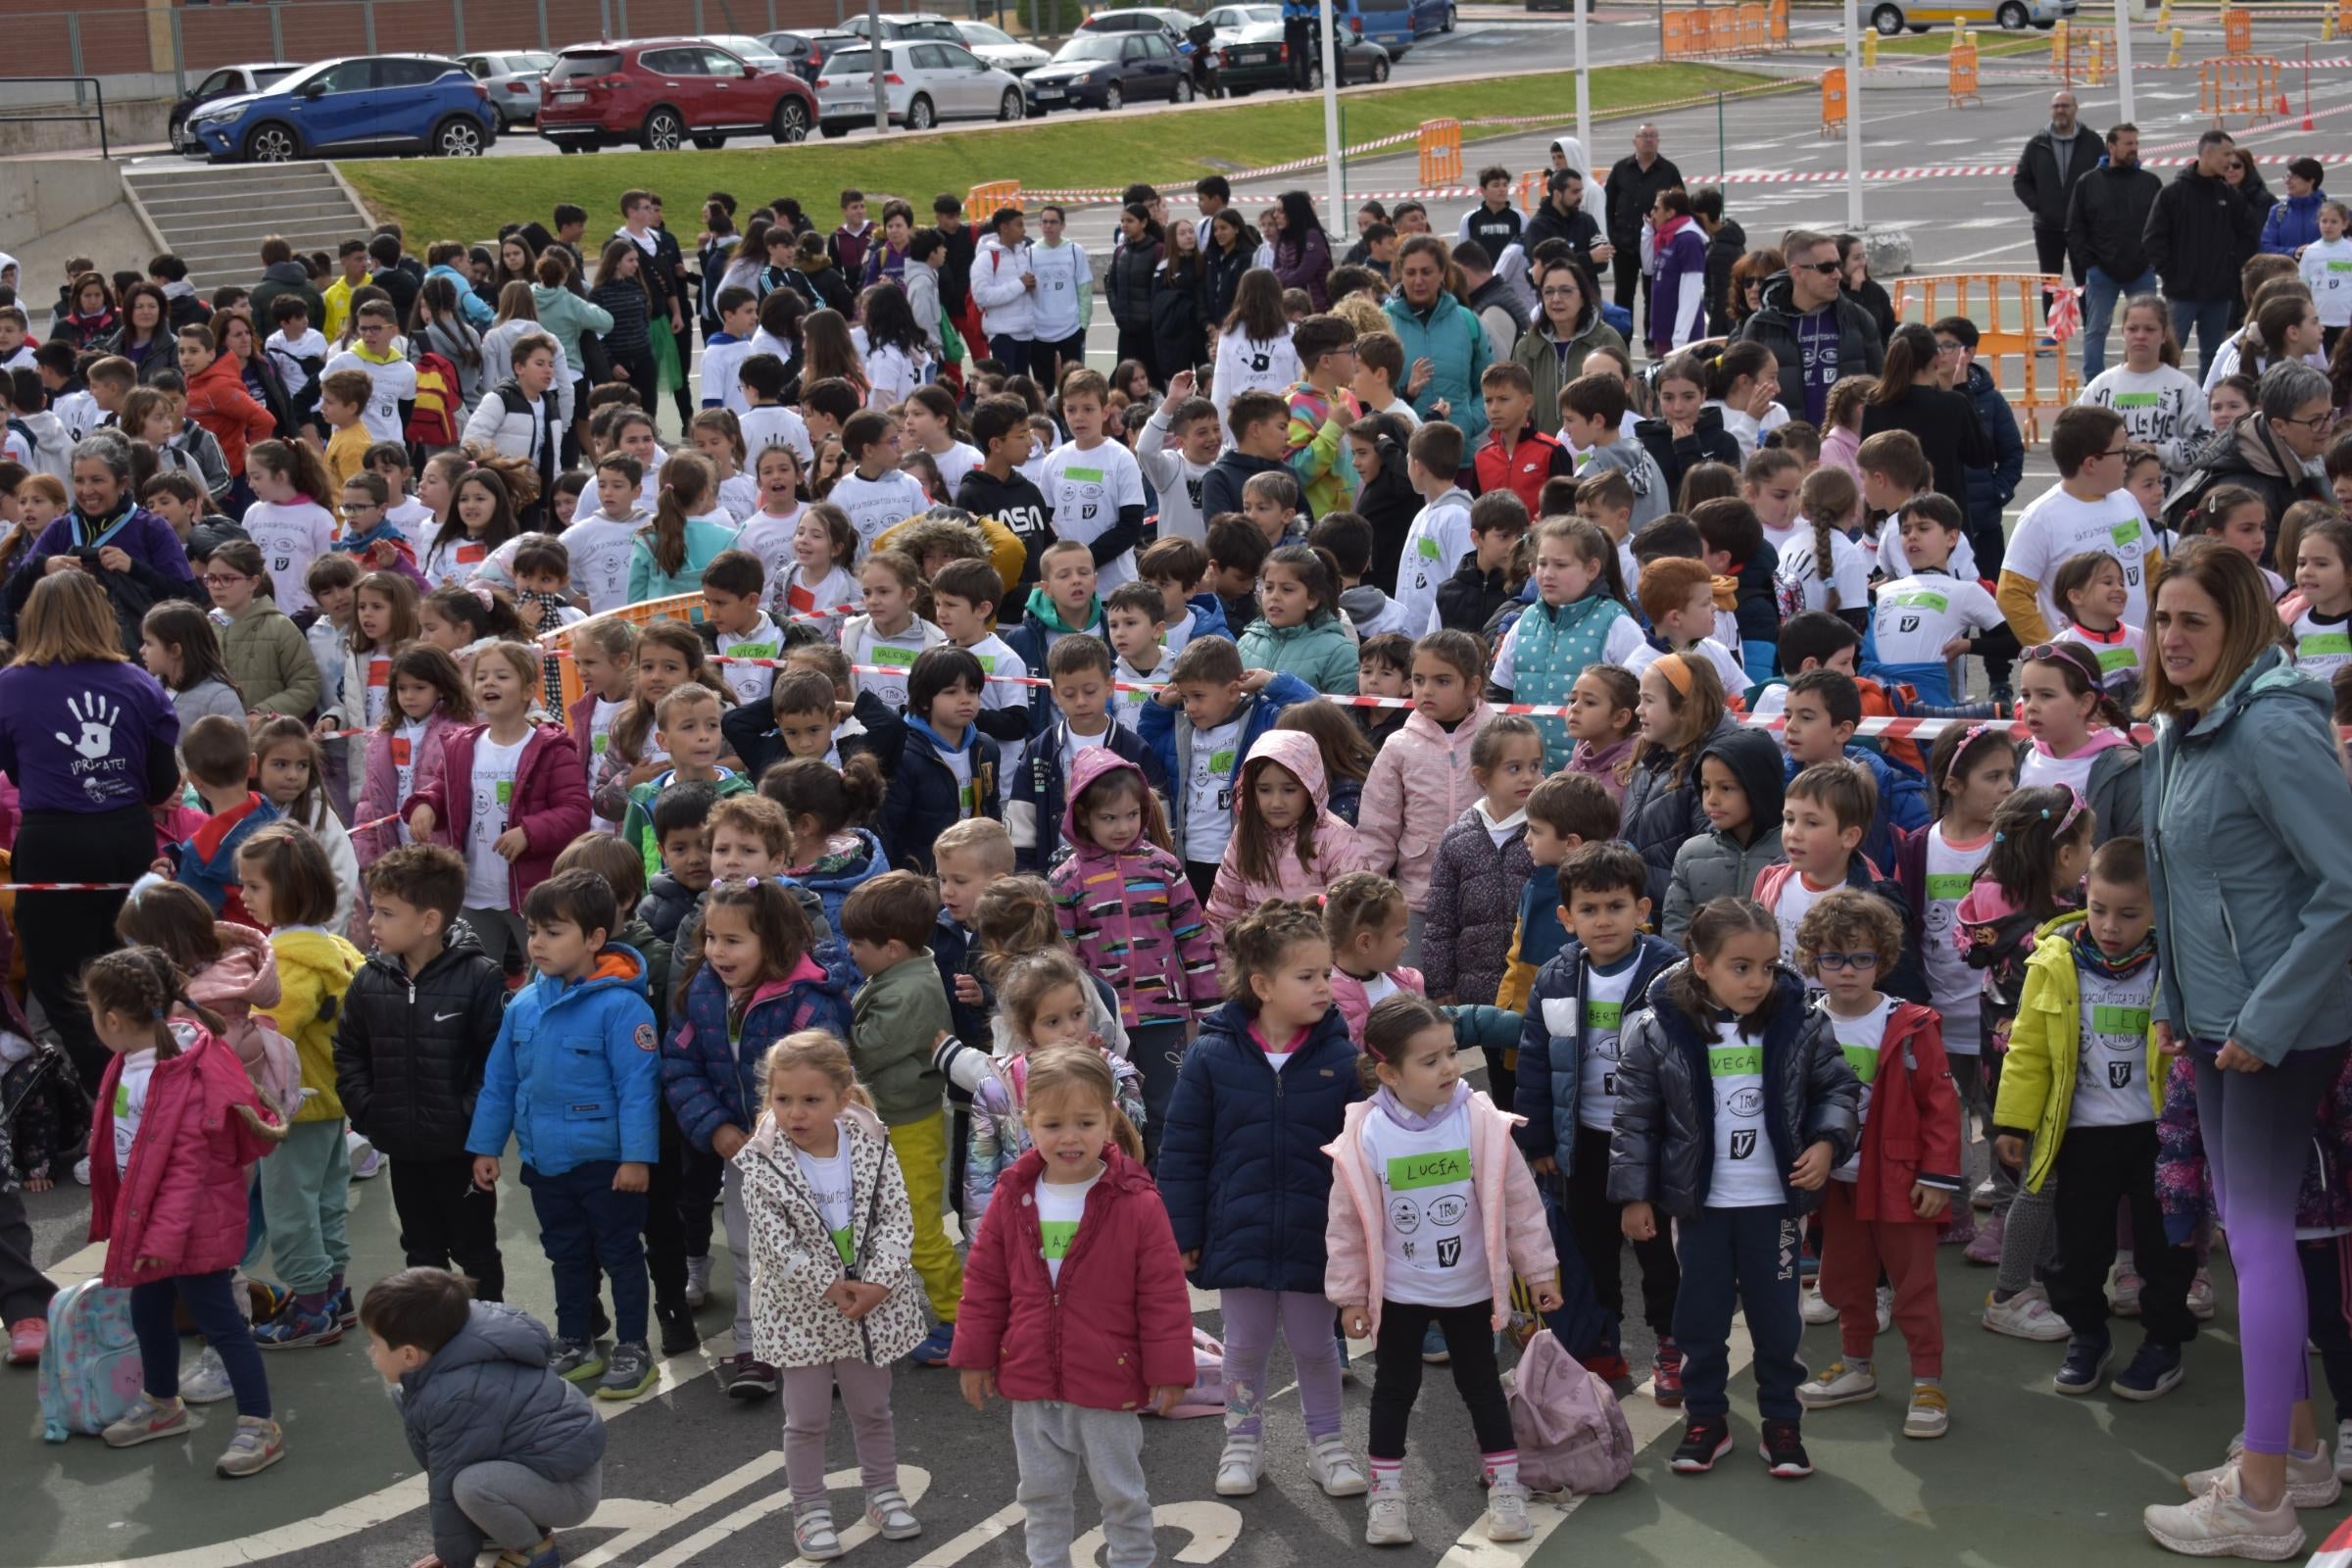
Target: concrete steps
[[215, 219]]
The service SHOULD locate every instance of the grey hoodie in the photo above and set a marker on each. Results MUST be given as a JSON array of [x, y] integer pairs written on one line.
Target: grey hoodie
[[1631, 459], [1372, 612]]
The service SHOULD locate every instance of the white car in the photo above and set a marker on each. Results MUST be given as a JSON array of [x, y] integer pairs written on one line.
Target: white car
[[1000, 48], [926, 83]]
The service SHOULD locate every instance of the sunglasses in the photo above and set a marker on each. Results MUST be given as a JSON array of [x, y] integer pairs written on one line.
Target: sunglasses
[[1839, 962], [1825, 268]]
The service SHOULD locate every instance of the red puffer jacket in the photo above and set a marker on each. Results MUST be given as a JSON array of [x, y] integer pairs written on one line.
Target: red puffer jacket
[[181, 1199], [1119, 1325], [549, 801], [1912, 1132]]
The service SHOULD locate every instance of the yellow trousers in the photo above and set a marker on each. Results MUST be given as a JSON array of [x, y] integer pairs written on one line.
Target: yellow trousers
[[922, 1150]]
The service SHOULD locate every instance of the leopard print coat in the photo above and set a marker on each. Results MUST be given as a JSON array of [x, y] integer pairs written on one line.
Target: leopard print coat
[[793, 1258]]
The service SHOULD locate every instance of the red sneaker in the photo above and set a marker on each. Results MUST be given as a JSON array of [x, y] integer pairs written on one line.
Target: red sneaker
[[26, 1338], [1610, 1365], [1666, 1374]]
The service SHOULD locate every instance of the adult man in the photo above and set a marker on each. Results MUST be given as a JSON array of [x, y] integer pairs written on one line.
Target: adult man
[[1627, 198], [1814, 331], [282, 274], [1299, 38], [1563, 216], [1727, 242], [1498, 307], [2200, 231], [2105, 218], [2054, 159]]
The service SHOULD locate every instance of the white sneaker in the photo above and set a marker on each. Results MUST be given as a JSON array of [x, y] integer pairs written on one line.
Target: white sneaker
[[1332, 1466], [1816, 1308], [81, 1170], [1885, 1307], [2200, 1294], [814, 1534], [365, 1161], [205, 1380], [698, 1280], [1384, 1525], [1240, 1466], [1981, 1198], [2220, 1524], [1506, 1513], [2310, 1483], [1838, 1384], [2027, 1315]]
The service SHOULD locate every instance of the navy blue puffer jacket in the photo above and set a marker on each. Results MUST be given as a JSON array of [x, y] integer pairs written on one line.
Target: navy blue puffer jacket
[[1242, 1166]]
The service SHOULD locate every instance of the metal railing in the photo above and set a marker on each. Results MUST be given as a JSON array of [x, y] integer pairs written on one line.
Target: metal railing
[[86, 88]]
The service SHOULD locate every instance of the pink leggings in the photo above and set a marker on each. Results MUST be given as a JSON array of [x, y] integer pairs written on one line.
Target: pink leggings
[[1307, 1322], [808, 1412]]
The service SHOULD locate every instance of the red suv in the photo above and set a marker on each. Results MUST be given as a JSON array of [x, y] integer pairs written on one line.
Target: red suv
[[664, 92]]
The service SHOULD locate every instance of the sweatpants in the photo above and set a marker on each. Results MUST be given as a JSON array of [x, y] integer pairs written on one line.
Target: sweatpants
[[737, 1221], [1304, 1317], [2328, 1297], [1050, 1439], [1592, 1223], [1854, 1252], [212, 1302], [305, 1201], [1396, 1373], [808, 1413], [584, 1226], [922, 1150], [2257, 1135], [1157, 1052], [498, 931], [2097, 1166], [444, 1218], [24, 1291], [1743, 1257], [518, 1507]]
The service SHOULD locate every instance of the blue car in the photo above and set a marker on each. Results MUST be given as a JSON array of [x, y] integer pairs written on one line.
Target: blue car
[[365, 104]]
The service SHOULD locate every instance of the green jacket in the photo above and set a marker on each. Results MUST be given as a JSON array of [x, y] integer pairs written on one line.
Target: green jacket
[[270, 661], [2045, 1043], [637, 825], [564, 315], [1319, 653], [894, 1019]]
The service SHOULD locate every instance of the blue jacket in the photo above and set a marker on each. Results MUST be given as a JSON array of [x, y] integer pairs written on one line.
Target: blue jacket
[[476, 309], [575, 1073], [1037, 803], [2252, 879], [709, 1067], [835, 887], [1208, 617], [1903, 801], [1990, 489], [1551, 1059], [952, 948], [923, 802], [2293, 223], [1242, 1167], [1173, 739]]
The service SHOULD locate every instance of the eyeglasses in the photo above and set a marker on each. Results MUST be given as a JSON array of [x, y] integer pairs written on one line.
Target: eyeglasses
[[1839, 962], [2317, 421], [1565, 291], [352, 509], [222, 580]]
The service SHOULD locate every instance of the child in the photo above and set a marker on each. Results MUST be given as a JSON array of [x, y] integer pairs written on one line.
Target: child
[[758, 383], [970, 857], [2086, 509], [1682, 708], [733, 585], [1262, 1091], [680, 821], [877, 494], [686, 724], [343, 397], [217, 755], [179, 648], [492, 1397], [1741, 786], [1347, 755], [510, 792], [1236, 553], [1134, 619], [1582, 620], [376, 352], [1879, 1212], [290, 890], [408, 515], [664, 656], [767, 532], [2160, 405], [1176, 568], [2082, 737], [963, 601], [998, 488], [1769, 482], [472, 541], [587, 1135], [1565, 813], [1736, 1197], [826, 849], [1280, 840], [1422, 1114], [288, 520], [1583, 1002], [1677, 598], [331, 581], [2240, 519], [428, 701], [601, 543], [831, 1233], [718, 437], [1440, 533], [813, 581], [1593, 426], [1301, 634], [178, 1127], [410, 1045], [265, 654], [2322, 598], [1825, 811], [1074, 1397], [1924, 617], [2093, 589], [2084, 1080], [1821, 566], [286, 764], [1065, 602], [892, 633], [359, 681], [1179, 447], [1366, 922], [1605, 722], [947, 770], [689, 529], [1480, 864], [1822, 710], [1044, 778], [1220, 718], [899, 1015]]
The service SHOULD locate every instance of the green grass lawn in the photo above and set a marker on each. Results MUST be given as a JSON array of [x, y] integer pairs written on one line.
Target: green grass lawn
[[435, 198]]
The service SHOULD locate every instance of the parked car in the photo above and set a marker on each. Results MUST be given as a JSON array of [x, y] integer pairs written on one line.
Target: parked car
[[661, 93], [1248, 52], [225, 82], [363, 104], [1890, 18], [807, 52], [1396, 25], [1103, 69], [1165, 19], [513, 80], [908, 26], [750, 50], [926, 83], [1000, 48]]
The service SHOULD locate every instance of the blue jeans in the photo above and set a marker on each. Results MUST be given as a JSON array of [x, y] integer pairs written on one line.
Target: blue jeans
[[2210, 318], [584, 1225], [2100, 295], [210, 1302]]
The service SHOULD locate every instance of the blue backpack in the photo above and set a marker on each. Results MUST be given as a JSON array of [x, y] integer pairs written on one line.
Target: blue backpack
[[90, 1366]]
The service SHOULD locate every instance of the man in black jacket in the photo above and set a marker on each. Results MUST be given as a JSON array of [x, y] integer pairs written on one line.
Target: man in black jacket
[[1727, 242], [2200, 231], [2104, 222], [2054, 159], [1562, 216], [1815, 332], [1632, 191]]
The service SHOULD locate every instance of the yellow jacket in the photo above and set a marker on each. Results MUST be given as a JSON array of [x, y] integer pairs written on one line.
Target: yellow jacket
[[2046, 1044], [313, 969], [1005, 553]]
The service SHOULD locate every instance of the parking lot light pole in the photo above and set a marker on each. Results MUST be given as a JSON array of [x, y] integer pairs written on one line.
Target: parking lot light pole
[[881, 67], [1334, 159]]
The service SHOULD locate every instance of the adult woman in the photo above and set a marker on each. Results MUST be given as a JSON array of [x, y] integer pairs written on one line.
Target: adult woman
[[145, 335], [2295, 221], [1748, 276], [1912, 395], [438, 326], [134, 555], [242, 344], [1552, 351], [1853, 260], [828, 351], [1253, 345], [1303, 252], [1128, 284], [2245, 800], [622, 292], [1176, 301], [92, 318], [1437, 328], [1231, 244], [87, 738], [895, 350], [2274, 450]]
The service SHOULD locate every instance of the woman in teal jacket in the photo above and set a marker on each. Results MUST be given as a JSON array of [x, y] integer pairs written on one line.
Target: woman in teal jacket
[[2245, 800], [1434, 325]]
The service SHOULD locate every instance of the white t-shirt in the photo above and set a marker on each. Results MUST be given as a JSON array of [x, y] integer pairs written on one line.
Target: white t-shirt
[[771, 424], [1643, 653], [130, 1103], [1377, 990], [1799, 570], [750, 683], [1433, 546], [2042, 769], [406, 741], [1084, 492], [1916, 617], [2123, 652], [1128, 707], [894, 651], [819, 603], [1208, 791], [1603, 1021], [1434, 1243], [874, 505], [960, 458], [1746, 1174], [738, 496], [1245, 364], [958, 762], [413, 517], [1887, 556], [2322, 643], [769, 537], [1061, 1205], [291, 537], [2163, 408], [831, 1184], [394, 383], [378, 669], [2056, 527], [1858, 1040], [2111, 1072], [1798, 895], [1953, 985], [488, 877], [599, 547], [1622, 643], [2327, 269]]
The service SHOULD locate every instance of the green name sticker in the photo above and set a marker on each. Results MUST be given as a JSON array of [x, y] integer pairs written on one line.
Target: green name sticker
[[2322, 643], [2124, 534], [845, 1242], [1056, 1236], [1442, 1168], [2137, 400], [599, 743], [753, 651], [1605, 1016], [2339, 267], [2121, 657], [505, 791], [1951, 885], [1864, 1060], [1939, 603], [1735, 1061], [1221, 761], [1429, 548], [2119, 1020], [895, 657], [1083, 475]]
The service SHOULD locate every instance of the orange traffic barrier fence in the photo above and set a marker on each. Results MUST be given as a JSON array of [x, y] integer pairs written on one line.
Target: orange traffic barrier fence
[[1703, 32], [2237, 84], [1961, 88], [987, 197], [2237, 31], [1533, 185], [1777, 23], [1832, 100], [2034, 370], [1752, 28], [1441, 152], [1675, 34]]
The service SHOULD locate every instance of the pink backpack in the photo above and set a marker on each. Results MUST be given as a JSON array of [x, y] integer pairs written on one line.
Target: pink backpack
[[1572, 1436], [1206, 1396]]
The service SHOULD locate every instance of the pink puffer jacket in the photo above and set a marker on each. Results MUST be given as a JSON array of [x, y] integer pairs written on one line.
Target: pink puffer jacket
[[1338, 849], [1420, 783], [242, 981], [1348, 994]]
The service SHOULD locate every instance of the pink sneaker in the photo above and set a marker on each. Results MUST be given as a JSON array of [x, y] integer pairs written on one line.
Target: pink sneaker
[[1986, 1249], [1961, 1230], [27, 1337]]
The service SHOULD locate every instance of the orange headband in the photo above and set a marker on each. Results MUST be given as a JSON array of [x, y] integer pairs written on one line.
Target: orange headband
[[1676, 673]]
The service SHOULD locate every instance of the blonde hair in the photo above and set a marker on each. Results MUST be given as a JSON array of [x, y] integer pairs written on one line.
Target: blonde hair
[[1071, 1070], [1014, 919], [817, 1052]]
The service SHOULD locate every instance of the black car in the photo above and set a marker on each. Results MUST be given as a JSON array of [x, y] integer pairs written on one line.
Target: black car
[[228, 82], [1103, 69], [808, 50], [1248, 52]]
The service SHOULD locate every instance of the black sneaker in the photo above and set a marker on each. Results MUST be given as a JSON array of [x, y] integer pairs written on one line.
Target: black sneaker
[[678, 1333], [1783, 1450], [2152, 1374], [2087, 1359], [1705, 1440]]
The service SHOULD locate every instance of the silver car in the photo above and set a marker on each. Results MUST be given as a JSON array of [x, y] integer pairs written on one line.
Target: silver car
[[907, 27], [515, 82], [927, 82], [1000, 48]]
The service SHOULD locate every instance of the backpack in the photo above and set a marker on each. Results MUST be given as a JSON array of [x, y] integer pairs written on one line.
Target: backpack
[[53, 456], [434, 415], [1572, 1436], [1206, 1396], [90, 1366]]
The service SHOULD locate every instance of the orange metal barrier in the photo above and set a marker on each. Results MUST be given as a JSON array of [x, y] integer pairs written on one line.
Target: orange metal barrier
[[2033, 370], [1703, 32], [1777, 22], [1961, 88], [1832, 100], [683, 607], [2237, 84], [1441, 152], [2237, 31], [1752, 29], [1533, 186], [986, 198], [1676, 26]]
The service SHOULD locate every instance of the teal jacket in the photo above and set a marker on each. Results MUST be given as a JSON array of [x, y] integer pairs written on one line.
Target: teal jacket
[[564, 315], [1319, 653], [2250, 866], [705, 537], [1454, 343]]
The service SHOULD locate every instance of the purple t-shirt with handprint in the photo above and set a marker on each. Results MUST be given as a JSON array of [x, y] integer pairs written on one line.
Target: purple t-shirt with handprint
[[77, 737]]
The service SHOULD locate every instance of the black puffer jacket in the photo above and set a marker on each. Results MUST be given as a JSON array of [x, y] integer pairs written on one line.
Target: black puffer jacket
[[409, 1054], [1663, 1151], [1127, 284], [1661, 809], [1860, 350], [2105, 220], [2200, 231], [1707, 442]]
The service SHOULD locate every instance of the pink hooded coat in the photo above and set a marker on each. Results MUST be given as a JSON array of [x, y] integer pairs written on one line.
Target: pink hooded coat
[[1420, 784], [379, 795], [1348, 994], [1338, 849]]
